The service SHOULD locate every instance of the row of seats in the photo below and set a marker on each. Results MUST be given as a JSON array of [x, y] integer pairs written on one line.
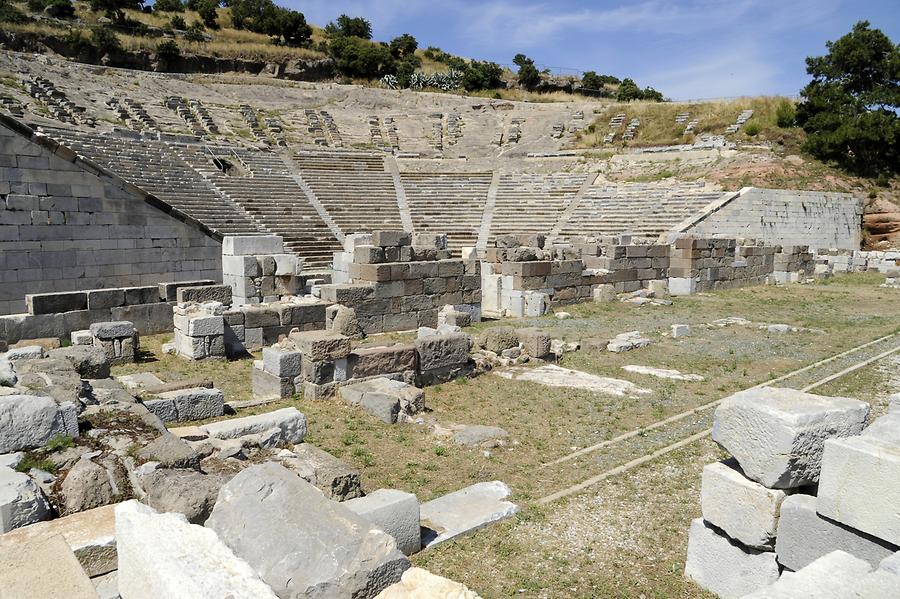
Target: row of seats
[[451, 203]]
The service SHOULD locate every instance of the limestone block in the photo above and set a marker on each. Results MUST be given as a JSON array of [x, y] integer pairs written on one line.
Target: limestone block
[[885, 428], [205, 293], [417, 583], [395, 512], [535, 342], [369, 254], [354, 239], [324, 549], [745, 510], [377, 361], [188, 492], [680, 330], [390, 238], [335, 478], [891, 564], [266, 385], [168, 292], [140, 295], [604, 293], [29, 421], [81, 337], [860, 485], [682, 286], [251, 245], [53, 303], [287, 264], [837, 575], [199, 324], [374, 394], [724, 567], [194, 403], [240, 266], [497, 339], [112, 330], [804, 536], [25, 352], [777, 435], [98, 299], [438, 351], [89, 362], [289, 421], [21, 501], [43, 569], [280, 362], [627, 342], [465, 511], [319, 346], [91, 535], [162, 555]]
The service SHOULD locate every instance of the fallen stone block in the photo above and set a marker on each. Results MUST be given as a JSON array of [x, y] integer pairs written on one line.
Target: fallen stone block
[[777, 435], [198, 403], [417, 583], [8, 376], [804, 536], [723, 566], [465, 511], [112, 330], [439, 351], [535, 342], [497, 339], [627, 342], [833, 576], [153, 562], [25, 352], [169, 451], [21, 501], [324, 549], [43, 569], [395, 512], [266, 385], [204, 293], [478, 435], [187, 492], [90, 484], [89, 362], [891, 564], [680, 330], [860, 485], [81, 337], [334, 477], [290, 423], [745, 510], [385, 398], [662, 373], [168, 292], [281, 362], [29, 421], [91, 536], [552, 375]]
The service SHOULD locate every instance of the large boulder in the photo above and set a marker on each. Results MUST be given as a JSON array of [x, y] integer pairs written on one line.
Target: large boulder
[[288, 426], [29, 421], [162, 555], [7, 374], [90, 484], [88, 361], [21, 501], [337, 479], [170, 452], [497, 339], [777, 435], [395, 512], [323, 549], [186, 492]]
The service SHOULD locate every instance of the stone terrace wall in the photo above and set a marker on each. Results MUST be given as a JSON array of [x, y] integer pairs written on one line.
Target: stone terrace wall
[[67, 224], [786, 217]]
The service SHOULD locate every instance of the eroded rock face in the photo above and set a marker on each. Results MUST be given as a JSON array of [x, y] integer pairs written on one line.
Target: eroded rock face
[[90, 484], [325, 550]]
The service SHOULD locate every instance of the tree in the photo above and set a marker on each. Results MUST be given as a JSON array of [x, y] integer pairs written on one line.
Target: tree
[[628, 91], [10, 14], [850, 108], [652, 95], [168, 6], [177, 22], [356, 57], [167, 53], [293, 29], [529, 76], [105, 41], [479, 75], [208, 14], [350, 26], [403, 45]]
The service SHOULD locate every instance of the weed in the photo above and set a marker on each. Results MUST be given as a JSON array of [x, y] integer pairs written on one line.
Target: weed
[[440, 451]]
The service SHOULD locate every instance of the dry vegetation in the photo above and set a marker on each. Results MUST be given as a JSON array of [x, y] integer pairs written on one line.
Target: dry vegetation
[[626, 536]]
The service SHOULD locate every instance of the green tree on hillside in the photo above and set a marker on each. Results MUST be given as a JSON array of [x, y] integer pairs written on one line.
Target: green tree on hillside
[[168, 6], [115, 9], [850, 108], [529, 77], [207, 11], [403, 45], [350, 26]]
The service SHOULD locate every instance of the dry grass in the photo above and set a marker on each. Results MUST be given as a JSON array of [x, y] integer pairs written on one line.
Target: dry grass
[[658, 125]]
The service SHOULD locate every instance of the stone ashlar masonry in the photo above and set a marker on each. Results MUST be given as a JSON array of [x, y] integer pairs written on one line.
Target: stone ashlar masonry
[[397, 281], [834, 260], [783, 217], [67, 224], [317, 363], [807, 478], [258, 269], [63, 313]]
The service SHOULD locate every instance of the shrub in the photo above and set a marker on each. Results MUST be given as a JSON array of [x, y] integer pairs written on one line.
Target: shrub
[[403, 45], [115, 9], [61, 9], [194, 32], [529, 77], [208, 13], [752, 129], [78, 42], [105, 40], [356, 57], [11, 14], [479, 75], [168, 6], [350, 26], [177, 22], [167, 52], [785, 114]]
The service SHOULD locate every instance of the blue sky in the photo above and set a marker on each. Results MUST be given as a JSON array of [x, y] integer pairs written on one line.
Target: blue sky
[[686, 49]]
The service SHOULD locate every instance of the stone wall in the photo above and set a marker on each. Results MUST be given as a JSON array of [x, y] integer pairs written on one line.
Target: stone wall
[[67, 224], [785, 217]]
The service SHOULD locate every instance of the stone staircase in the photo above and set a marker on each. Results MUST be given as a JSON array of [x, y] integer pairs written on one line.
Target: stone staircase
[[157, 168], [270, 193], [644, 210], [354, 187], [451, 203], [532, 203]]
